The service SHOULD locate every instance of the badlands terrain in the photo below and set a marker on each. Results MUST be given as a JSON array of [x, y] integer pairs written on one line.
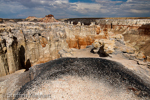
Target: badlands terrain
[[75, 59]]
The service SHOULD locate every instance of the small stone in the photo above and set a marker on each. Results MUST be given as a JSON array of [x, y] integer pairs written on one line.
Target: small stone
[[141, 63], [107, 45]]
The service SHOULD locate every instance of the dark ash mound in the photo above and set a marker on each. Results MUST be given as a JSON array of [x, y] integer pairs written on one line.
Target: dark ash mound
[[110, 72]]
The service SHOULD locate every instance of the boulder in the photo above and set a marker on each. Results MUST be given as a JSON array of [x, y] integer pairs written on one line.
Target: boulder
[[96, 44], [105, 44], [109, 45]]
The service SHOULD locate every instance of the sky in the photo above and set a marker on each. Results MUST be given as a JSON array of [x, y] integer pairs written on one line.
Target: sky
[[74, 8]]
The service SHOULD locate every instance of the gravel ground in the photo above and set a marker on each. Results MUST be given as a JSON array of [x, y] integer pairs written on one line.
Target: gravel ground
[[80, 88]]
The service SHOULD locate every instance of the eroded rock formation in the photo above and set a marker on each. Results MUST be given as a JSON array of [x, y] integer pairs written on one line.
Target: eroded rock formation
[[24, 44]]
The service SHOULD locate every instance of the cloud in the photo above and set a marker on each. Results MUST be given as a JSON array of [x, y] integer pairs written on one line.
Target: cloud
[[66, 9], [108, 1], [12, 7], [139, 11], [138, 1], [84, 7]]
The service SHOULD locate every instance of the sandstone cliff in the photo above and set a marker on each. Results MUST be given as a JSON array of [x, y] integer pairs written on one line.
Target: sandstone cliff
[[24, 44]]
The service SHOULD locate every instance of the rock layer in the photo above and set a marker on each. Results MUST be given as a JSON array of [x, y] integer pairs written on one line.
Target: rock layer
[[24, 44]]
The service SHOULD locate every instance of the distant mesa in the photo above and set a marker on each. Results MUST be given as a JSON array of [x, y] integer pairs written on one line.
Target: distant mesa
[[50, 15], [11, 20], [48, 18], [32, 18]]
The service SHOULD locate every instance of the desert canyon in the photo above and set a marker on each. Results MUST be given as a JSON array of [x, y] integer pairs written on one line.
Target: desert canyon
[[107, 55]]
